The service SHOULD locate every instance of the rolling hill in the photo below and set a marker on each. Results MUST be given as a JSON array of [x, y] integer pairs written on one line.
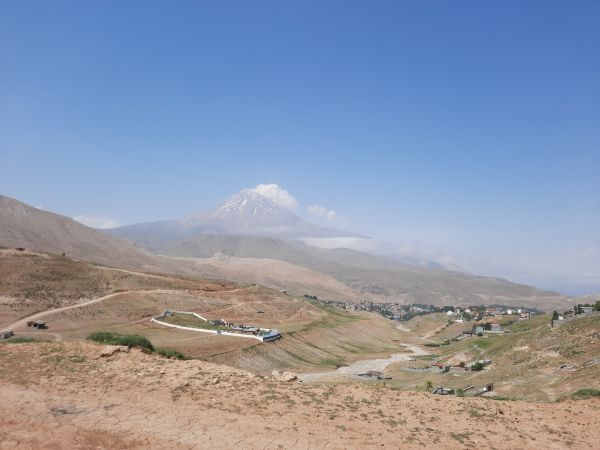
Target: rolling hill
[[277, 262], [22, 226]]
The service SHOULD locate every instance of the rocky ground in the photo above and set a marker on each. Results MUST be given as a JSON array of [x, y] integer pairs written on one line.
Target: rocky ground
[[65, 395]]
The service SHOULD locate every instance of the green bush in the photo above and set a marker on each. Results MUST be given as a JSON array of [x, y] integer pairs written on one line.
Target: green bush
[[167, 353], [582, 394], [130, 340], [477, 366]]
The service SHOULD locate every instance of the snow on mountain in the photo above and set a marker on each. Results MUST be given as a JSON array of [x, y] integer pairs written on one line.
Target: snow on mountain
[[249, 212]]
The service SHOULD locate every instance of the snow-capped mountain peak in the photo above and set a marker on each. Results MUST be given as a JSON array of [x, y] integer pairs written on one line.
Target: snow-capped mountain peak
[[249, 212]]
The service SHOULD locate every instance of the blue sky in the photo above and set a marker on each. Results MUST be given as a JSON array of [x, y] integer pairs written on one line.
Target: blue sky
[[466, 130]]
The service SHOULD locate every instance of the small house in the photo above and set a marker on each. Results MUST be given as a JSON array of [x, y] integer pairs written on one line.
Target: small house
[[37, 324]]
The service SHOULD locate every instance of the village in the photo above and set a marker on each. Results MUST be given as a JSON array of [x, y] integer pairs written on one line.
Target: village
[[403, 313]]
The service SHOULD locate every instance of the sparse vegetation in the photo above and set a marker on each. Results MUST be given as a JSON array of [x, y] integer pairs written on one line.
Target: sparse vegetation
[[582, 394], [130, 340], [134, 340], [168, 353], [476, 367]]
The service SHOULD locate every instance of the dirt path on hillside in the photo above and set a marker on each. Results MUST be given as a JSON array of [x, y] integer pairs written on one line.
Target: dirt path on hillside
[[162, 277], [23, 321]]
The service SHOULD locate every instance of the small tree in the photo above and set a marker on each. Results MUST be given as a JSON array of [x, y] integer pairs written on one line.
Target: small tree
[[428, 385], [597, 306], [554, 315]]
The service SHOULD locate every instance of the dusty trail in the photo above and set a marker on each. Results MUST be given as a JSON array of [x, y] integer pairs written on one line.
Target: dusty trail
[[23, 321]]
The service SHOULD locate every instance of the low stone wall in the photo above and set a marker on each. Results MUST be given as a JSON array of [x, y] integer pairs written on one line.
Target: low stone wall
[[156, 319], [218, 332]]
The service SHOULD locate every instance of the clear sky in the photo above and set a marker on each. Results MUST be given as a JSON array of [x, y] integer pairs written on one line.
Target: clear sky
[[468, 130]]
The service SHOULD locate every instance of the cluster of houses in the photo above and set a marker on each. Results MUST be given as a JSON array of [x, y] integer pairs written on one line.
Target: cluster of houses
[[578, 311], [452, 368], [477, 313], [400, 312]]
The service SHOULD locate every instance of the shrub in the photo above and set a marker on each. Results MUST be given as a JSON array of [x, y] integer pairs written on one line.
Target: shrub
[[477, 366], [585, 393], [168, 353], [130, 340]]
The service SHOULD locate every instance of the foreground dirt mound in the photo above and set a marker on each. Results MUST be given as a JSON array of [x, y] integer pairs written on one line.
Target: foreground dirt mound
[[62, 395]]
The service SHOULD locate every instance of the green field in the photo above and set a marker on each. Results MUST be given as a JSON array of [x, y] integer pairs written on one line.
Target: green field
[[189, 320]]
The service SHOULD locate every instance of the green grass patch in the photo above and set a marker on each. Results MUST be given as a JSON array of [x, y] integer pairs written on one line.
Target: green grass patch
[[335, 362], [435, 344], [168, 353], [189, 320], [505, 398], [334, 318], [130, 340], [133, 340], [582, 394]]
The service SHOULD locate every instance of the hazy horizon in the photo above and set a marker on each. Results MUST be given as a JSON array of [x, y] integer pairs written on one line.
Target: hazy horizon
[[467, 135]]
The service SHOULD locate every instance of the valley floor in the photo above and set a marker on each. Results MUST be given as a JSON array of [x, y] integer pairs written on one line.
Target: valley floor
[[64, 396]]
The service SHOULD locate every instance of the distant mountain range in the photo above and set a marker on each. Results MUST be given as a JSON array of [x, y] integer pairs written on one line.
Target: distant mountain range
[[263, 252]]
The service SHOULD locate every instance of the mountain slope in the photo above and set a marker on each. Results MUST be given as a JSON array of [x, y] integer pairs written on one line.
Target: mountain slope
[[370, 277], [24, 226]]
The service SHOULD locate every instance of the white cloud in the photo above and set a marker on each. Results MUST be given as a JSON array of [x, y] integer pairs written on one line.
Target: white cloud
[[321, 211], [277, 195], [96, 221]]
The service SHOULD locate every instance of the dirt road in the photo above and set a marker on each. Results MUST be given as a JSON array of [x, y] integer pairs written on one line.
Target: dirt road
[[37, 316]]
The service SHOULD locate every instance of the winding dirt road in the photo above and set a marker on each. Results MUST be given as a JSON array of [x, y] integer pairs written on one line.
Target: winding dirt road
[[23, 322]]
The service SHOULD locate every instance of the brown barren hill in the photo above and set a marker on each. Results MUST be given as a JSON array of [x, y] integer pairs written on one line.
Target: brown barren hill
[[64, 396], [24, 226]]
